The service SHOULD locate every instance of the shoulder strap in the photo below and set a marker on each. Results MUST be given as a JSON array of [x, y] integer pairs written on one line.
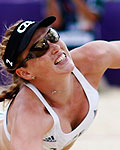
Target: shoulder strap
[[84, 83], [42, 99], [5, 126]]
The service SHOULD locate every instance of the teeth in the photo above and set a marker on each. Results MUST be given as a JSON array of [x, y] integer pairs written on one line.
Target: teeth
[[60, 59]]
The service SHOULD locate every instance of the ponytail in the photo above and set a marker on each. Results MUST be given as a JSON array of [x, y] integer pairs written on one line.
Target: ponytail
[[12, 89]]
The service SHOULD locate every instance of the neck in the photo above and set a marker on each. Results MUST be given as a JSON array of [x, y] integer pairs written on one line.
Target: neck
[[59, 91]]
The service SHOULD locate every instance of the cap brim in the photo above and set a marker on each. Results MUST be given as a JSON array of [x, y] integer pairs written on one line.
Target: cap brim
[[19, 41], [47, 21], [29, 34]]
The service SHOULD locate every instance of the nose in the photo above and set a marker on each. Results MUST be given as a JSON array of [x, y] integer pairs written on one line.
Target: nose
[[55, 48]]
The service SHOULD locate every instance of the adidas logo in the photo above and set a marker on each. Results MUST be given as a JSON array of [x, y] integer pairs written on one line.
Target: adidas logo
[[95, 112], [49, 139]]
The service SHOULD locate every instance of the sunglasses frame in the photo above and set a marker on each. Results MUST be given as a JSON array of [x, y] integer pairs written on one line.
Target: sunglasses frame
[[48, 37]]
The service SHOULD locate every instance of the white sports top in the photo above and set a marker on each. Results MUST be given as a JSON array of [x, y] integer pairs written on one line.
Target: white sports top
[[56, 139]]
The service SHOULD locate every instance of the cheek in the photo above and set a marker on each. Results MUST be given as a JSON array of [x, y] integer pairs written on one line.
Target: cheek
[[42, 65], [63, 46]]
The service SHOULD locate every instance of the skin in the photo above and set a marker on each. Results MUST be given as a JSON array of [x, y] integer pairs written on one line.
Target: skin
[[26, 111]]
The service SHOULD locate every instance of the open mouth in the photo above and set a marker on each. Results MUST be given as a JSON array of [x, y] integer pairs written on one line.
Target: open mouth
[[60, 59]]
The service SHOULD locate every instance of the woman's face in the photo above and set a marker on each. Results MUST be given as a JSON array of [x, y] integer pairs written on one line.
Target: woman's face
[[56, 60]]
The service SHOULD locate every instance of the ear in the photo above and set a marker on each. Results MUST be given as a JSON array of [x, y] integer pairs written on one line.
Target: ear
[[23, 73]]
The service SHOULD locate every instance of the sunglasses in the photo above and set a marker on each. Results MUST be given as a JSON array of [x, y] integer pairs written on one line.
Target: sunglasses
[[41, 46]]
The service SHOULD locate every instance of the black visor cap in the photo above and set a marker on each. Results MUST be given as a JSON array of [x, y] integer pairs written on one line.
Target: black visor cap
[[20, 39]]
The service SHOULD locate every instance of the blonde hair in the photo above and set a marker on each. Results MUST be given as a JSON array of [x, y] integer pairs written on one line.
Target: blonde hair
[[12, 90]]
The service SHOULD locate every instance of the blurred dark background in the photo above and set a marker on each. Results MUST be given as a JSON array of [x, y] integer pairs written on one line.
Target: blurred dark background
[[106, 26]]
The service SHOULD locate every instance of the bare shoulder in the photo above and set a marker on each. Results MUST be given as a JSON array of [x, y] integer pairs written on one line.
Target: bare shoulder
[[33, 109], [31, 119]]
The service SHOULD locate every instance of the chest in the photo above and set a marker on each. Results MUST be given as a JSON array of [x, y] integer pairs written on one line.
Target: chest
[[74, 113], [71, 117]]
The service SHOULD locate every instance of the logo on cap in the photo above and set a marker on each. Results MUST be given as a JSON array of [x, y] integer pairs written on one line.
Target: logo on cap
[[24, 26], [9, 62]]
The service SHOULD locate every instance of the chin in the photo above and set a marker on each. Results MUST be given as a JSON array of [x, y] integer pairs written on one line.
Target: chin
[[67, 68], [70, 67]]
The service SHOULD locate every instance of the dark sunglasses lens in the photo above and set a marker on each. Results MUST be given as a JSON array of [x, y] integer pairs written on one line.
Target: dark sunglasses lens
[[28, 57], [42, 44], [40, 48], [39, 53], [52, 36]]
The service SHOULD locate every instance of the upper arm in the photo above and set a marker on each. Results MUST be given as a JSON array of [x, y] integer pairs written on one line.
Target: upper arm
[[107, 54], [114, 51], [94, 58], [100, 54]]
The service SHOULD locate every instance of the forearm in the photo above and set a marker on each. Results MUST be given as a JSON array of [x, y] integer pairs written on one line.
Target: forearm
[[85, 11], [54, 10]]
